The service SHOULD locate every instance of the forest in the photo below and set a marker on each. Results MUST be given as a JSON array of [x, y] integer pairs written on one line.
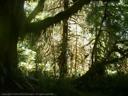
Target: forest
[[64, 47]]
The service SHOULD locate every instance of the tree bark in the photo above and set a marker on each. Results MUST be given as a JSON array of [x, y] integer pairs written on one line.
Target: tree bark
[[10, 26]]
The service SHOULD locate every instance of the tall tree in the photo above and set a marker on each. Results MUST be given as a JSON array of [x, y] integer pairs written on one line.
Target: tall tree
[[63, 56], [11, 24]]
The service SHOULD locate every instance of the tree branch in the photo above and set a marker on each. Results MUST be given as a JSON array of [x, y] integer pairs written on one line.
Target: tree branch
[[43, 24], [38, 8]]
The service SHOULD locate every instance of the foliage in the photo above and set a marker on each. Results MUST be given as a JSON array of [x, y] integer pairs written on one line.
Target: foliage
[[63, 40]]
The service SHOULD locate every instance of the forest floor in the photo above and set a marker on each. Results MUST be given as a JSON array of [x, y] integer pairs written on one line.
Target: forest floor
[[47, 86]]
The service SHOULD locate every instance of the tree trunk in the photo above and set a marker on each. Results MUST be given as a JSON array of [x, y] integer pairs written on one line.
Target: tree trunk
[[9, 29], [8, 48], [95, 74], [63, 56]]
